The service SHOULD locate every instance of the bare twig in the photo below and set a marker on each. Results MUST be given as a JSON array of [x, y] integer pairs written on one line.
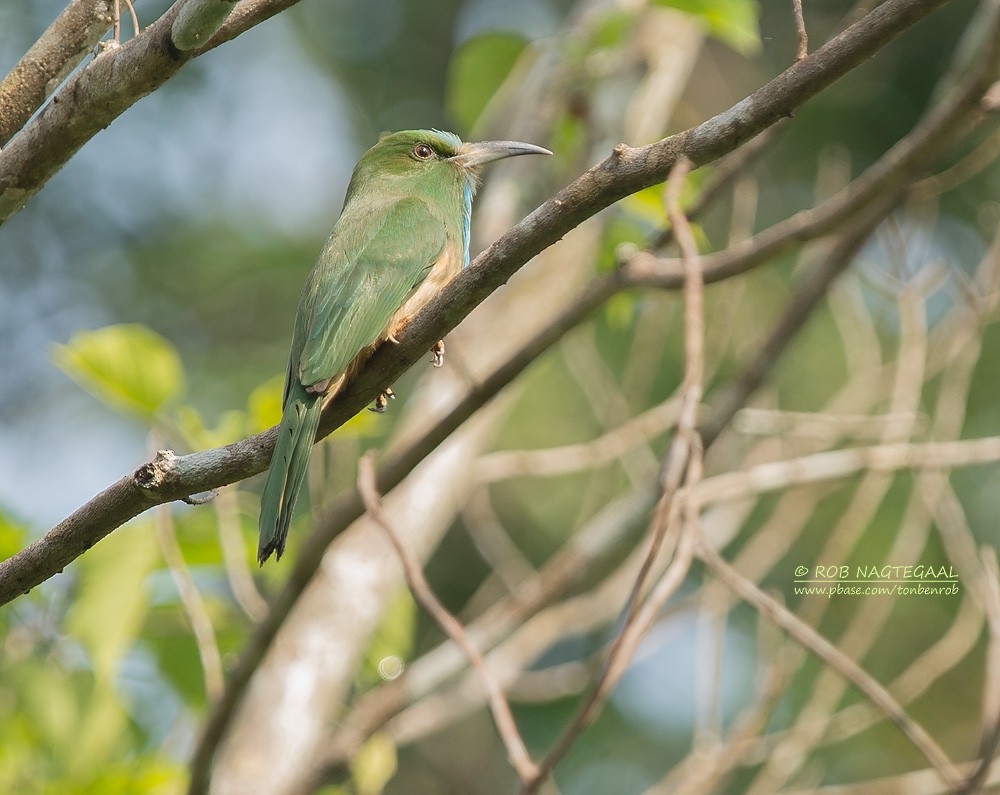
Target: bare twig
[[966, 168], [194, 605], [585, 455], [422, 592], [800, 30], [680, 459], [637, 623], [990, 731], [837, 464], [227, 519]]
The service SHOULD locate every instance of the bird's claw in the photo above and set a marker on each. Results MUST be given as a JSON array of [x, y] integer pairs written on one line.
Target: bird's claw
[[383, 400], [437, 354]]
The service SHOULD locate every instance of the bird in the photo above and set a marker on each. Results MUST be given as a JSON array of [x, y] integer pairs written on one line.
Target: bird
[[403, 233]]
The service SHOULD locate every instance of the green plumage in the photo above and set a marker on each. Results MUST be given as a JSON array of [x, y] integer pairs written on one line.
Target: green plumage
[[406, 214]]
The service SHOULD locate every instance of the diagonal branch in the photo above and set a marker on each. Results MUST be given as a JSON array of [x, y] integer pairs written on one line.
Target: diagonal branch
[[110, 84], [58, 51], [422, 592]]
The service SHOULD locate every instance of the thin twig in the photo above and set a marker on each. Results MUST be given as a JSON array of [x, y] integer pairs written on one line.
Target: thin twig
[[136, 29], [639, 614], [990, 731], [422, 592], [596, 453], [638, 620], [191, 601], [800, 30], [227, 519], [839, 464]]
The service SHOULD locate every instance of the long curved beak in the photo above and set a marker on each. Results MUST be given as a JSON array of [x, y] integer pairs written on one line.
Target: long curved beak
[[472, 155]]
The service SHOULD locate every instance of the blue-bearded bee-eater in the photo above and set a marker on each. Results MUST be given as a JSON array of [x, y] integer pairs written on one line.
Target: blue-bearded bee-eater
[[402, 235]]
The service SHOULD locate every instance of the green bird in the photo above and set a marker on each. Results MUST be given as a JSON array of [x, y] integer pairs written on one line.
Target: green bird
[[402, 235]]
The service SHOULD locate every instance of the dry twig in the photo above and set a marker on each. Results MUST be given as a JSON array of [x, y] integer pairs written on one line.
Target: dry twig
[[422, 592], [191, 601], [800, 30]]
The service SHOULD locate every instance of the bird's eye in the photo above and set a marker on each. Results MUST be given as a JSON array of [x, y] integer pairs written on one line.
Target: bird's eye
[[423, 152]]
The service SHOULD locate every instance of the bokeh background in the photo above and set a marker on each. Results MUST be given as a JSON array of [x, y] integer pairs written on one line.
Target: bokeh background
[[197, 216]]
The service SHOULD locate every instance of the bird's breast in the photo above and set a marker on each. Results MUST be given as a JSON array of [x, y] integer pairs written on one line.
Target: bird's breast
[[448, 265]]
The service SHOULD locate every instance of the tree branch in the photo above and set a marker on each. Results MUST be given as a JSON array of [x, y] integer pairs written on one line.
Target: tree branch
[[50, 60], [109, 85], [517, 752]]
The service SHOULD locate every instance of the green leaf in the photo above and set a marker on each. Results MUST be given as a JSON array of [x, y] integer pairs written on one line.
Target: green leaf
[[111, 602], [130, 367], [106, 618], [12, 537], [477, 70], [264, 405], [392, 641], [734, 22], [228, 429], [620, 310], [374, 764], [612, 30], [647, 205]]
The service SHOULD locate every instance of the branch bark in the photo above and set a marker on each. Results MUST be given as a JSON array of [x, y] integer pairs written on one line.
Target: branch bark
[[50, 60], [109, 85]]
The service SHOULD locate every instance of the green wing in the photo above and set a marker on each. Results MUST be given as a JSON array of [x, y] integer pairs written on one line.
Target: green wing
[[375, 259]]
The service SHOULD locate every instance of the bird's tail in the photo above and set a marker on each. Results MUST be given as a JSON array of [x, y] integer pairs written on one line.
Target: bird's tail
[[289, 464]]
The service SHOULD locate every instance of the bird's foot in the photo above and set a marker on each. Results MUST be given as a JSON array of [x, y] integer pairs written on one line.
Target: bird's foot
[[383, 400], [437, 354]]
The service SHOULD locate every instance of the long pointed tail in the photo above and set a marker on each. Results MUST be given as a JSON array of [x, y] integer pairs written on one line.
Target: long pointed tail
[[289, 464]]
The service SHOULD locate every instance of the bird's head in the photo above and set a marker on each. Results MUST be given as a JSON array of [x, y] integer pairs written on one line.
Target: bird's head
[[433, 155]]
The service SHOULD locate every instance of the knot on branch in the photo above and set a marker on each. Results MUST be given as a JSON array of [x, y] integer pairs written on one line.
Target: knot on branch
[[620, 151], [157, 473]]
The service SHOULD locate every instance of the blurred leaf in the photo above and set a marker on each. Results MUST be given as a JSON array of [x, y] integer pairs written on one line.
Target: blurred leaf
[[264, 405], [619, 310], [130, 367], [111, 601], [100, 733], [612, 29], [735, 22], [11, 537], [647, 205], [48, 695], [374, 764], [229, 428], [477, 70], [622, 228], [393, 637], [106, 618]]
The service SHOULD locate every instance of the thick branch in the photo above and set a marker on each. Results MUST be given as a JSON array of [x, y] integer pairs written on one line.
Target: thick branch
[[198, 21], [50, 60], [109, 85]]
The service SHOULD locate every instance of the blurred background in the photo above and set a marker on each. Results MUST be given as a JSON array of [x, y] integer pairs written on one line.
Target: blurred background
[[174, 247]]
